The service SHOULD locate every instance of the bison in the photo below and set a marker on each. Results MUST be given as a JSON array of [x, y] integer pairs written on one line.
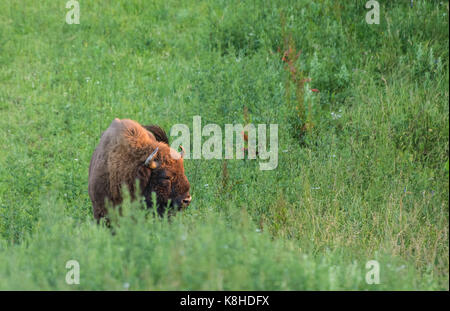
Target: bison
[[128, 152]]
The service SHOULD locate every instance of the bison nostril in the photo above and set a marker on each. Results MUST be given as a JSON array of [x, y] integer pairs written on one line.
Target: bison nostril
[[187, 200]]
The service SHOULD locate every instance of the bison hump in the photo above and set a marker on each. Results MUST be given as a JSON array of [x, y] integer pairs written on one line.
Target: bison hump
[[159, 133]]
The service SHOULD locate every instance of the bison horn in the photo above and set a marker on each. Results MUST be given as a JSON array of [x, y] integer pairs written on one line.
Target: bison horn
[[150, 157], [183, 152]]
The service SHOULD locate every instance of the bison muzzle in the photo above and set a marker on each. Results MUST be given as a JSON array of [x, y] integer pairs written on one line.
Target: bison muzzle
[[130, 154]]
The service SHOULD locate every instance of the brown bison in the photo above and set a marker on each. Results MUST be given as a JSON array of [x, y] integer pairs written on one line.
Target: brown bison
[[128, 152]]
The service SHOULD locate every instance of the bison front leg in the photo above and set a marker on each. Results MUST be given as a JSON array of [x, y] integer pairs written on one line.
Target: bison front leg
[[100, 211]]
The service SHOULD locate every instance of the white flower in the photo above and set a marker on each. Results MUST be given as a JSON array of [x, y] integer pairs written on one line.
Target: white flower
[[335, 115]]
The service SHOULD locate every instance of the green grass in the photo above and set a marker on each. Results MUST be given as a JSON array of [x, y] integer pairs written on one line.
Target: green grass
[[368, 181]]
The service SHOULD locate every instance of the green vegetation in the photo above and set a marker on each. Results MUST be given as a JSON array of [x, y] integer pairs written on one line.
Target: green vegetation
[[363, 163]]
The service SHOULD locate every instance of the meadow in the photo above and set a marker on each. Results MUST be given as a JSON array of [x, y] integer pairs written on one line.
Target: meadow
[[363, 163]]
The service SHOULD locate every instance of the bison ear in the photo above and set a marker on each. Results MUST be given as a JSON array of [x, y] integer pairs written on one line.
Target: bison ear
[[150, 162], [153, 164]]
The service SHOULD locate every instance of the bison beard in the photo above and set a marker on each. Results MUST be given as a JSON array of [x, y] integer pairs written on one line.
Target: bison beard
[[128, 152]]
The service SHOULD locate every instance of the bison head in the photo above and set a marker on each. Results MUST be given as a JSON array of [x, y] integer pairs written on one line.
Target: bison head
[[163, 173]]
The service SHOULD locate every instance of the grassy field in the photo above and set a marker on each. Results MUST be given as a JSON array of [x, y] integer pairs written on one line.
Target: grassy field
[[363, 163]]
